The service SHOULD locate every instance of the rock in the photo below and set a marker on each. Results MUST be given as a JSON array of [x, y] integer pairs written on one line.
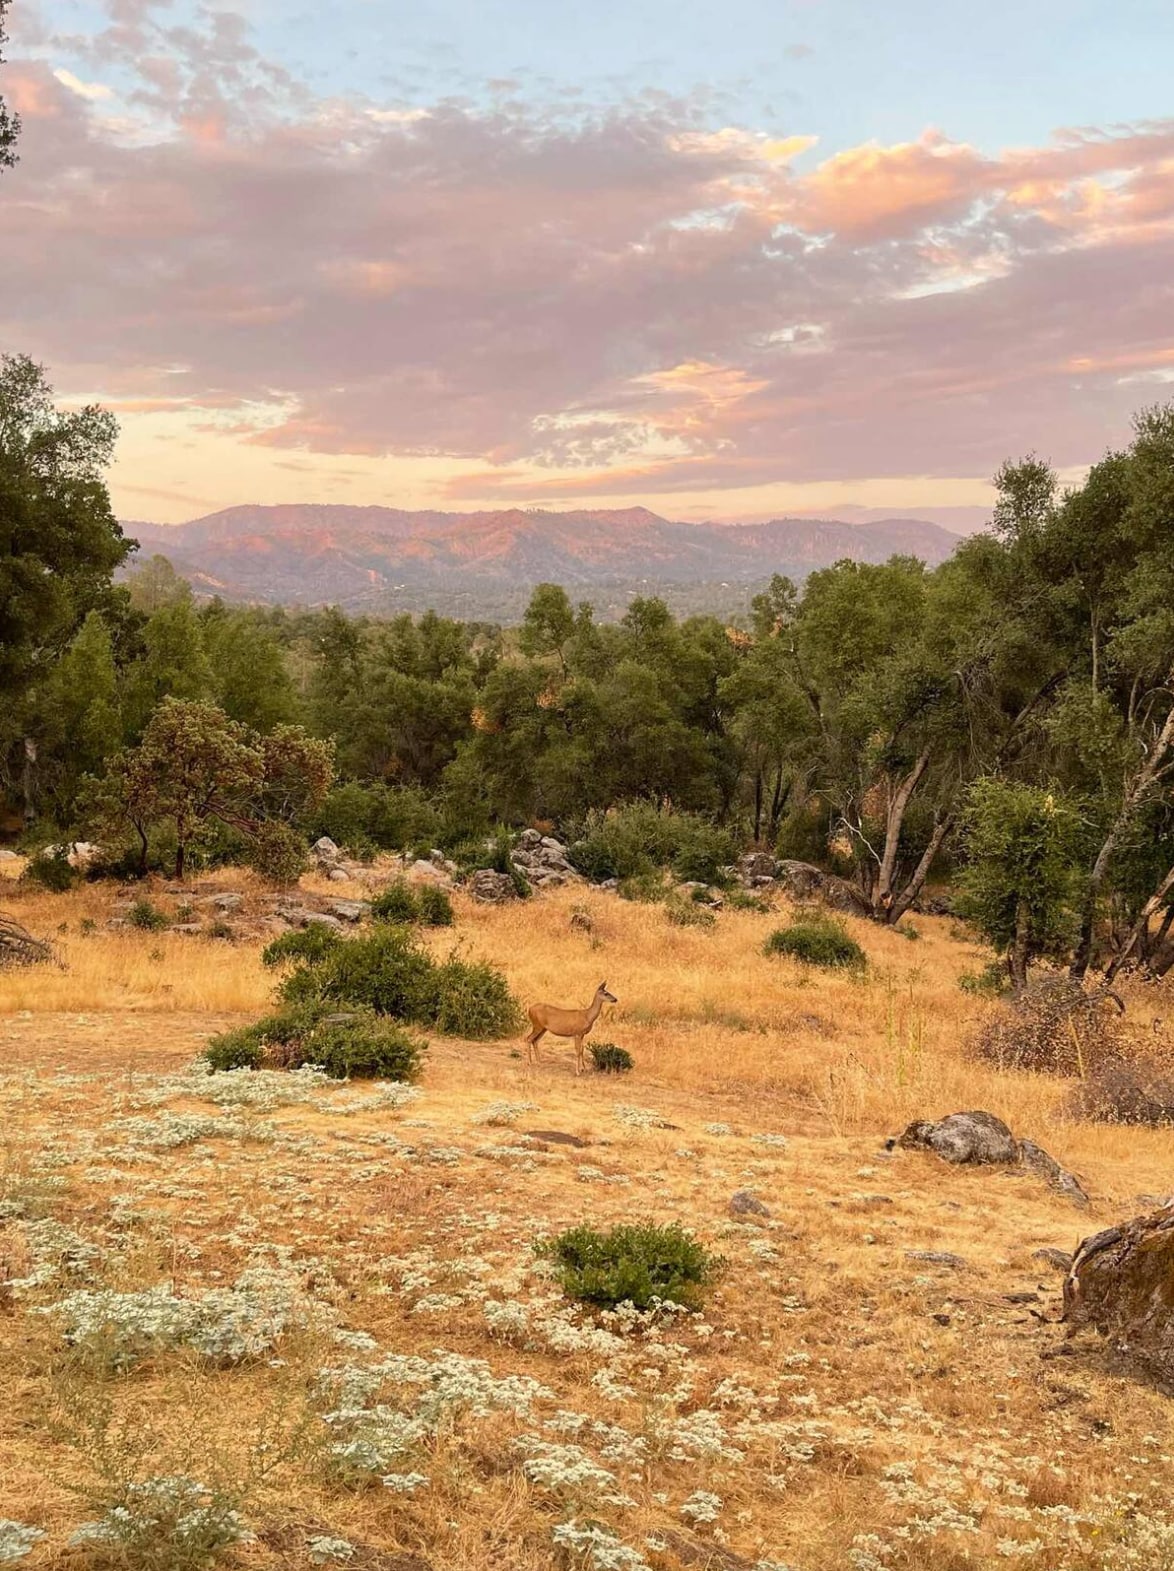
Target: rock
[[529, 838], [937, 1257], [491, 887], [350, 910], [804, 881], [226, 902], [300, 916], [1058, 1259], [964, 1137], [1028, 1297], [1037, 1161], [427, 872], [8, 856], [610, 883], [744, 1204], [326, 850], [556, 1137], [981, 1138], [757, 868], [339, 875], [1120, 1284]]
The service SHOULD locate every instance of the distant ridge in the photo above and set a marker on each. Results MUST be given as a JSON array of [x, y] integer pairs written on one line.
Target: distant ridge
[[380, 558]]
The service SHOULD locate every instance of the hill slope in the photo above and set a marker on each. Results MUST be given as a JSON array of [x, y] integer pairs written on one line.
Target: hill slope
[[373, 557]]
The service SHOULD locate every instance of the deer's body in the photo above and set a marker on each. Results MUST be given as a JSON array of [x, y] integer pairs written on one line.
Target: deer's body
[[575, 1023]]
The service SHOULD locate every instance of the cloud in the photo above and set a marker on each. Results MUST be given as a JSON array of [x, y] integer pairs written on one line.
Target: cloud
[[546, 303]]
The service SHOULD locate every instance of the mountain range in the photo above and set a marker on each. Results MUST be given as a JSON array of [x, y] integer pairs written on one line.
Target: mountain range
[[381, 559]]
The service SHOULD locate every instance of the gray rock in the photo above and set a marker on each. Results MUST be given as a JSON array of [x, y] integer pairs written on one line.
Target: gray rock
[[1058, 1259], [937, 1257], [8, 856], [326, 850], [339, 875], [1036, 1160], [350, 910], [528, 839], [964, 1137], [491, 887], [744, 1204], [321, 919], [758, 867], [225, 902]]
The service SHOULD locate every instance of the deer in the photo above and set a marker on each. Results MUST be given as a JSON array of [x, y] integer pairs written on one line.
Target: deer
[[565, 1022]]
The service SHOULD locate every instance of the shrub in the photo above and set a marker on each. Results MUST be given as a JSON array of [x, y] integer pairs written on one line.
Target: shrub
[[639, 837], [993, 981], [1053, 1027], [389, 972], [311, 943], [434, 906], [396, 903], [738, 899], [362, 818], [164, 1524], [687, 913], [358, 1045], [644, 888], [146, 917], [818, 941], [1120, 1091], [222, 930], [278, 853], [635, 1263], [52, 870], [609, 1059]]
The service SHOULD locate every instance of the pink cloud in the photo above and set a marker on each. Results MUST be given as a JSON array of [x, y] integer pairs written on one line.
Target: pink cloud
[[632, 300]]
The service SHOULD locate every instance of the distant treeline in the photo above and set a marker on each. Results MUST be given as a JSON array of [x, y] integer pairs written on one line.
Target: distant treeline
[[1010, 712]]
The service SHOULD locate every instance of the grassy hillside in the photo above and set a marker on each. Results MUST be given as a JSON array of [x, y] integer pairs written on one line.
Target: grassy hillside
[[838, 1403]]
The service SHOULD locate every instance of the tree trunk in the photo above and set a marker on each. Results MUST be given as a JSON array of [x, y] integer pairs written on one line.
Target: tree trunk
[[1139, 789], [778, 800], [1141, 926], [882, 889], [1017, 957], [180, 859], [28, 781], [757, 805], [142, 834], [921, 872]]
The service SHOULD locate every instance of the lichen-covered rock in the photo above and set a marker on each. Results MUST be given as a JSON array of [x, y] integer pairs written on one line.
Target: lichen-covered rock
[[1121, 1282], [491, 887], [964, 1137], [744, 1204], [1038, 1161]]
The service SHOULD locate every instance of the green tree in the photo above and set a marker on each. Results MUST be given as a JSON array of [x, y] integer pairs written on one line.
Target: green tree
[[249, 677], [59, 543], [154, 583], [1021, 883], [9, 120]]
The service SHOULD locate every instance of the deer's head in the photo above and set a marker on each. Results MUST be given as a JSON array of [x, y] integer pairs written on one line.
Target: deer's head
[[601, 992]]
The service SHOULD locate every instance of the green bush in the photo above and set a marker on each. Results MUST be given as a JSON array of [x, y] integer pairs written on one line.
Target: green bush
[[738, 899], [312, 942], [633, 840], [993, 981], [495, 855], [636, 1263], [390, 972], [396, 903], [609, 1059], [433, 906], [687, 913], [644, 888], [818, 941], [365, 818], [146, 917], [350, 1045], [278, 853], [52, 870]]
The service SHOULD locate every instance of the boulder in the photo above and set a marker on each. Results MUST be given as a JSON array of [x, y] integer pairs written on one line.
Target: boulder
[[229, 901], [1121, 1283], [491, 887], [981, 1139], [964, 1137], [8, 856], [744, 1204], [805, 881], [757, 868], [326, 850], [350, 910], [528, 839], [339, 875], [421, 871]]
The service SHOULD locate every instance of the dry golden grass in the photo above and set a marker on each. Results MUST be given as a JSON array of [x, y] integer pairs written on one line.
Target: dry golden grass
[[820, 1312]]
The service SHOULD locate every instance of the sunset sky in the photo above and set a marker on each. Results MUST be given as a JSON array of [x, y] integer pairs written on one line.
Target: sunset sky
[[721, 258]]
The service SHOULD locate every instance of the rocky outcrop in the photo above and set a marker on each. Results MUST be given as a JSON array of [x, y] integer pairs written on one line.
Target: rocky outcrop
[[1121, 1283], [543, 861], [981, 1139], [490, 887]]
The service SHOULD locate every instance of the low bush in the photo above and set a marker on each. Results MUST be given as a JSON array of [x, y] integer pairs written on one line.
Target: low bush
[[635, 1263], [396, 903], [1054, 1027], [146, 917], [1119, 1091], [742, 900], [350, 1045], [51, 869], [687, 913], [993, 981], [311, 943], [818, 941], [278, 853], [389, 972], [609, 1059], [365, 818], [634, 840], [401, 902]]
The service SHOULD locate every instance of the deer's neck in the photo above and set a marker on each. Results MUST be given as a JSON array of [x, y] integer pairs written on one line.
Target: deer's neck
[[593, 1012]]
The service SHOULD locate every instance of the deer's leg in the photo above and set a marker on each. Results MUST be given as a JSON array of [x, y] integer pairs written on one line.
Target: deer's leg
[[578, 1055], [532, 1043]]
